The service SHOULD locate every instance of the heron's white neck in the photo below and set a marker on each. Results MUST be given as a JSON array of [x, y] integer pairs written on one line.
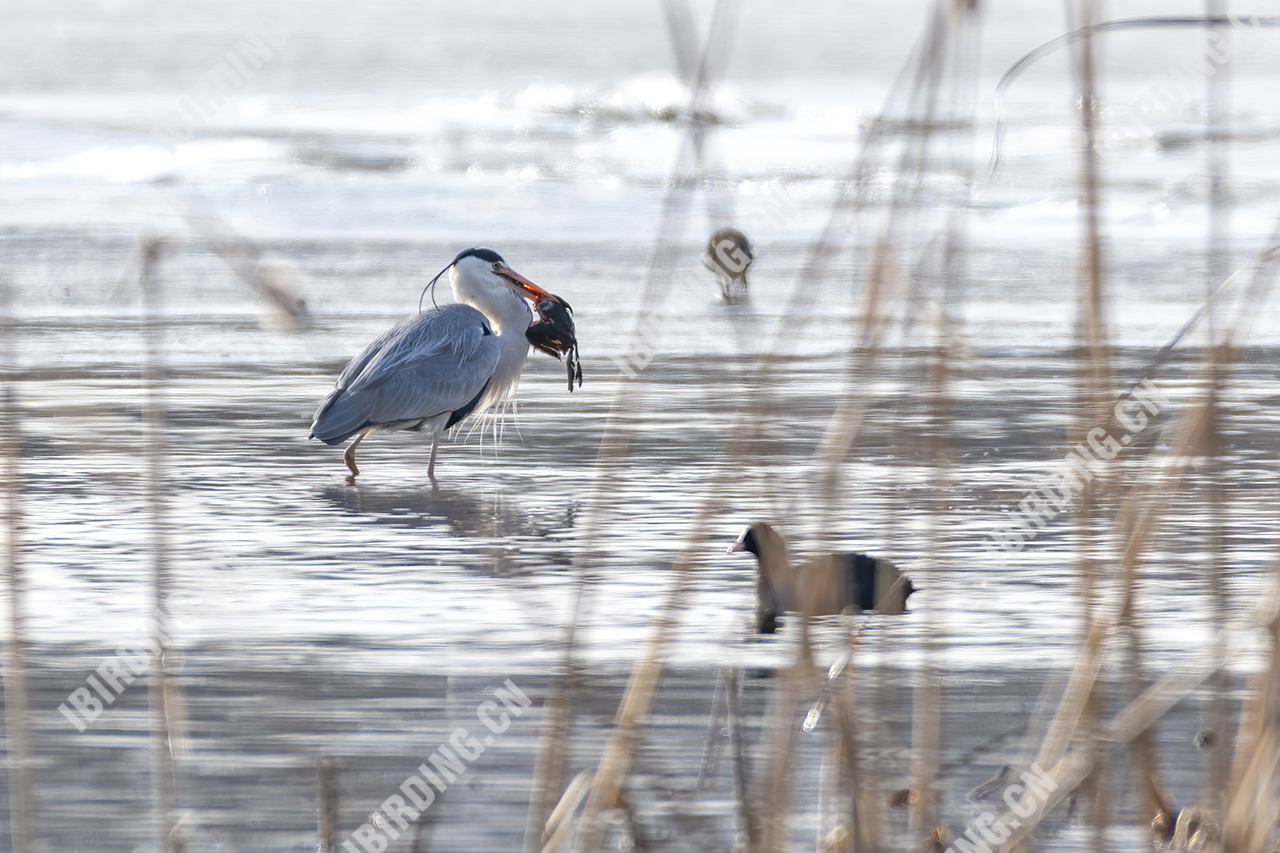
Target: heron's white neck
[[510, 315]]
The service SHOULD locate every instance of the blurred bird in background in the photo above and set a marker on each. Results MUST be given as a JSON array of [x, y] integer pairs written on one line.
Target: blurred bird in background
[[729, 256]]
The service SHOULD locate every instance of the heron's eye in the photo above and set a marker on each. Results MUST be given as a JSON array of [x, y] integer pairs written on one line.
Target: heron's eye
[[497, 266]]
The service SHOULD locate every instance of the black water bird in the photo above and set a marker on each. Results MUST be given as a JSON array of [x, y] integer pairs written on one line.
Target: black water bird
[[831, 584]]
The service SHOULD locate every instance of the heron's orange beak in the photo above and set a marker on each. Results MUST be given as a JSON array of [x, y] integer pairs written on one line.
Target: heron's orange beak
[[528, 289], [735, 547]]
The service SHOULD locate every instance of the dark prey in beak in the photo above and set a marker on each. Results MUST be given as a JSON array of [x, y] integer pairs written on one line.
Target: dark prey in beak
[[553, 333]]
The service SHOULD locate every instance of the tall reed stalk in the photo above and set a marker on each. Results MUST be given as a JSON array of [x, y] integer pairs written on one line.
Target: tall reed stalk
[[17, 725], [1217, 141], [162, 696]]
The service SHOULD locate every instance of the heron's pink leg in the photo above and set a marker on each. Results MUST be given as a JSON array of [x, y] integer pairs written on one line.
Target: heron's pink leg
[[431, 466], [350, 455]]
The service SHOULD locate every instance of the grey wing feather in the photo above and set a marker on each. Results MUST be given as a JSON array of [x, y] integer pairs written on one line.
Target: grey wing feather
[[425, 366]]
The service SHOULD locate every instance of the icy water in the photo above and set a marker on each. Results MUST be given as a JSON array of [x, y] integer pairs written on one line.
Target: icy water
[[365, 622]]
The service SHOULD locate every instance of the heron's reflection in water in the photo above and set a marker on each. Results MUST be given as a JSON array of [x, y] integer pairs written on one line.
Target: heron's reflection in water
[[527, 552], [490, 514]]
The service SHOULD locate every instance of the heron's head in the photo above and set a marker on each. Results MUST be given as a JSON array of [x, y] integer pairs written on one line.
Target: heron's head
[[479, 273]]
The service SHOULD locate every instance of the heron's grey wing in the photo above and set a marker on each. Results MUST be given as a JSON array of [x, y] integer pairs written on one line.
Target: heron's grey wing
[[425, 366]]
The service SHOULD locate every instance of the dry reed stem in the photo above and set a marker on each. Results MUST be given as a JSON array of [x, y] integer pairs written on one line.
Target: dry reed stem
[[830, 807], [548, 769], [1093, 388], [848, 774], [162, 702], [1139, 715], [741, 773], [780, 729], [1257, 720], [1217, 118], [640, 688], [926, 731], [555, 729], [1070, 714], [1216, 769], [1143, 506], [560, 822], [844, 425], [711, 742], [1249, 728], [800, 298], [639, 691], [1141, 511], [1253, 712], [926, 725], [1252, 807], [863, 813], [17, 730], [638, 843], [727, 682], [851, 195], [660, 273], [1216, 772], [1143, 750], [842, 428], [326, 806], [288, 311]]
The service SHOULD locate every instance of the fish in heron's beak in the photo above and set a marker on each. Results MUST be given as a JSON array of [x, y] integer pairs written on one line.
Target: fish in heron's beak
[[553, 333]]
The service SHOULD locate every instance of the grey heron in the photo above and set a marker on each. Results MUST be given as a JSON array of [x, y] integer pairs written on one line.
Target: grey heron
[[429, 372], [824, 586], [729, 256]]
